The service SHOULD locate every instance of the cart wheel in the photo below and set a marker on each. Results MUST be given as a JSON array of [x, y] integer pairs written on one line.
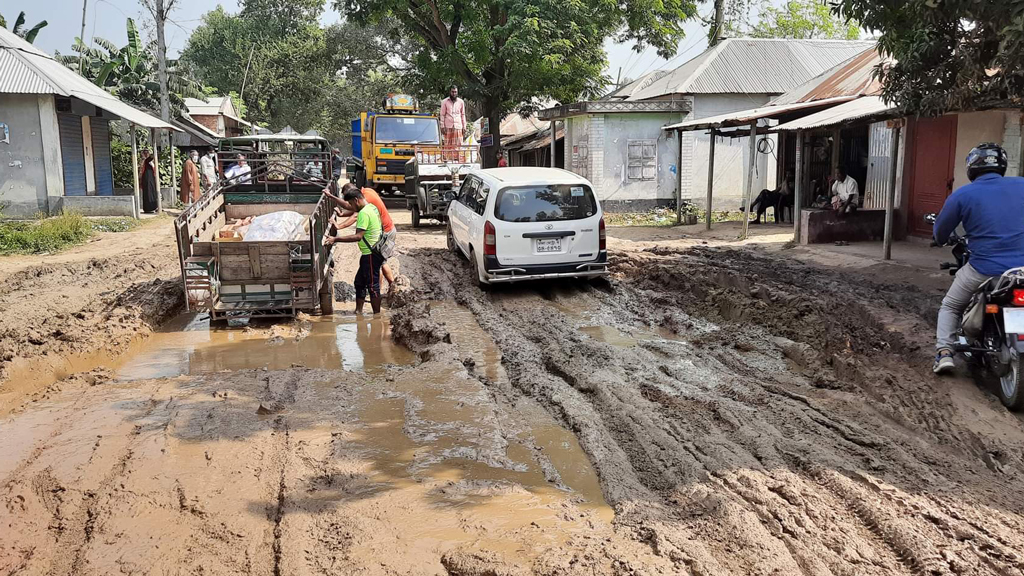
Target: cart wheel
[[416, 216], [327, 294]]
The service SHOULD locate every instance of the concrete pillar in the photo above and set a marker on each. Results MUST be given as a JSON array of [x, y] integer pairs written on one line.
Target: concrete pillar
[[798, 180], [711, 178], [53, 161], [679, 179]]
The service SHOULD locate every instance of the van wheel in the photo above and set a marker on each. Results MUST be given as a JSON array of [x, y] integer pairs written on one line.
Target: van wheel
[[1011, 384], [453, 247], [416, 216], [476, 271]]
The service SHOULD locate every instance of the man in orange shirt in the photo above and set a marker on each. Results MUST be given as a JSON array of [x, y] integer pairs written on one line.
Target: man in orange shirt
[[348, 215]]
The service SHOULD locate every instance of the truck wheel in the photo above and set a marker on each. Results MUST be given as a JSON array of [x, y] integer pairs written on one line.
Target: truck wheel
[[1011, 384], [361, 178], [416, 216]]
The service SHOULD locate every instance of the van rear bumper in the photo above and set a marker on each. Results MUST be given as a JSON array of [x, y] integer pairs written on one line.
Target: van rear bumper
[[498, 273]]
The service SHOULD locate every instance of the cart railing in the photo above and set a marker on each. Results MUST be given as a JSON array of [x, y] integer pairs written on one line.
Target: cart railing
[[447, 154]]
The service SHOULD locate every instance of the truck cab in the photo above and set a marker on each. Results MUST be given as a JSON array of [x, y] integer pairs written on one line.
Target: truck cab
[[382, 143]]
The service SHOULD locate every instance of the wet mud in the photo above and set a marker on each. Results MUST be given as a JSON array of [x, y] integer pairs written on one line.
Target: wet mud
[[750, 415]]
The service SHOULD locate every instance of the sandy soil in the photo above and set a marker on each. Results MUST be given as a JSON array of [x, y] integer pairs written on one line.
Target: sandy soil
[[713, 410]]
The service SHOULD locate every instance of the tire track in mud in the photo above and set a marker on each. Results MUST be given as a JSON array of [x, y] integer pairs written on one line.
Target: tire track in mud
[[767, 380]]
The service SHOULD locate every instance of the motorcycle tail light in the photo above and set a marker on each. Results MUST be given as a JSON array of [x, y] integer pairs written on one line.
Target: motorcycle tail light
[[991, 308], [1018, 297]]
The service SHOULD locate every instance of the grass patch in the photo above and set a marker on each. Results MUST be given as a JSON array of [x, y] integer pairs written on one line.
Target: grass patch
[[56, 233]]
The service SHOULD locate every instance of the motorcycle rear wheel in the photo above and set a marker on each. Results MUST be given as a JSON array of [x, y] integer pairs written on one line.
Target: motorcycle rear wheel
[[1011, 384]]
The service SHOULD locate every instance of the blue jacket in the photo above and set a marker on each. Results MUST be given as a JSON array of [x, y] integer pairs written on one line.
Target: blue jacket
[[992, 211]]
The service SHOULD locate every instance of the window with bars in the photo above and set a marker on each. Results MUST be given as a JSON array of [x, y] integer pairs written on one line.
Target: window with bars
[[642, 159]]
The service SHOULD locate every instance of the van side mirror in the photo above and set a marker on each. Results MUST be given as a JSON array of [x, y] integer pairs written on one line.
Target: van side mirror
[[929, 218]]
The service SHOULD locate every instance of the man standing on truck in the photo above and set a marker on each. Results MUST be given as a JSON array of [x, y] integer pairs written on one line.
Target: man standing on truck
[[453, 120], [368, 233], [349, 214]]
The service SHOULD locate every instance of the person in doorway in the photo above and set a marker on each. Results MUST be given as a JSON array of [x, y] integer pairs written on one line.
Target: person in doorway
[[190, 190], [453, 120], [239, 172], [147, 183], [502, 160], [368, 231], [991, 210], [845, 194], [348, 214], [208, 169]]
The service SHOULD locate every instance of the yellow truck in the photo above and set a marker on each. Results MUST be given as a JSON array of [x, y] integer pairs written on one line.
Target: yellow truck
[[382, 143]]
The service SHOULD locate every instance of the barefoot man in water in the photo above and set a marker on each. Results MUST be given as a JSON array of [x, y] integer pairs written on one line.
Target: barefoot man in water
[[368, 233], [347, 216]]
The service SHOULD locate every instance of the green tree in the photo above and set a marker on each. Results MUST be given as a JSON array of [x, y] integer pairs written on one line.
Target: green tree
[[949, 55], [129, 72], [506, 54], [28, 34], [804, 19]]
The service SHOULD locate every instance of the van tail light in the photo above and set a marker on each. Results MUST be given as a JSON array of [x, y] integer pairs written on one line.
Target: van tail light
[[603, 239], [1018, 297], [490, 240]]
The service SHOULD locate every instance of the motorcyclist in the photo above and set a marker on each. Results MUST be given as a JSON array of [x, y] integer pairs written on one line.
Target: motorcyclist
[[991, 209]]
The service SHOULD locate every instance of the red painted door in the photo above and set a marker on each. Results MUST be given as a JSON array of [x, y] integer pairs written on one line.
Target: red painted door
[[932, 177]]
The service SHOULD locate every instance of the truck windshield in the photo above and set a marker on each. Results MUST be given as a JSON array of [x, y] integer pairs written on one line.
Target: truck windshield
[[407, 130], [545, 203]]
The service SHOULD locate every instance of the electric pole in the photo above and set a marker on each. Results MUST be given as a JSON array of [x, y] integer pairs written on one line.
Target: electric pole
[[81, 57], [160, 9], [719, 24]]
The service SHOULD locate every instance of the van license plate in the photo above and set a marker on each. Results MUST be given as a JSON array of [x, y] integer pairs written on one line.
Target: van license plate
[[1013, 320], [546, 245]]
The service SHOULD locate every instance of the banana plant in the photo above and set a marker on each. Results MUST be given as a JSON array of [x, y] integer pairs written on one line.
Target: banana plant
[[130, 72], [29, 35]]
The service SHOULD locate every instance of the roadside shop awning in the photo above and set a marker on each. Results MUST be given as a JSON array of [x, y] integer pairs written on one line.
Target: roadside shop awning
[[868, 107], [745, 117]]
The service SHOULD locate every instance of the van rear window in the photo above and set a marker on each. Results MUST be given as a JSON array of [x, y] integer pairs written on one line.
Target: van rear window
[[545, 203]]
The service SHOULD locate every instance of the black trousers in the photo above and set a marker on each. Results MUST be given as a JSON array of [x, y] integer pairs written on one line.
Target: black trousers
[[368, 276]]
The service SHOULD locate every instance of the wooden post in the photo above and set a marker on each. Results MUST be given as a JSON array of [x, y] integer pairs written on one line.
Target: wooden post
[[679, 179], [837, 135], [156, 169], [890, 197], [750, 178], [711, 178], [798, 180], [135, 173]]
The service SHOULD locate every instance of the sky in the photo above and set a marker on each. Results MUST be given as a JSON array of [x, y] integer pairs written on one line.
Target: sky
[[106, 19]]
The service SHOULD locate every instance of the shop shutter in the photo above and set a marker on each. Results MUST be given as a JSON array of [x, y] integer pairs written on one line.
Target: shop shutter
[[72, 153], [101, 157]]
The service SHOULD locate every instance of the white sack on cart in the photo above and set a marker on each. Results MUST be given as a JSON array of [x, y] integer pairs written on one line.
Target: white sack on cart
[[283, 225]]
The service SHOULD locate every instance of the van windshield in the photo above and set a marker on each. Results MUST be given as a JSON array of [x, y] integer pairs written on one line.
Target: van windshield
[[547, 203], [407, 130]]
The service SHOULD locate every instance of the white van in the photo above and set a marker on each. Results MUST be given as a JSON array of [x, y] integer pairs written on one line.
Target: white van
[[528, 224]]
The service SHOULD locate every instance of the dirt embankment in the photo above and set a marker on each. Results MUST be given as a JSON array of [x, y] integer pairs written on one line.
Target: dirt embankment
[[98, 296], [776, 425]]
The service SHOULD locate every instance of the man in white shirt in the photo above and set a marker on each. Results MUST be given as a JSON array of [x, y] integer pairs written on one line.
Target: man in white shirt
[[208, 170], [240, 169], [845, 194]]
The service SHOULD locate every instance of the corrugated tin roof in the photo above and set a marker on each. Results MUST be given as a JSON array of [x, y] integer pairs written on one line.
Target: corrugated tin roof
[[745, 117], [854, 77], [867, 106], [637, 85], [753, 66], [35, 72]]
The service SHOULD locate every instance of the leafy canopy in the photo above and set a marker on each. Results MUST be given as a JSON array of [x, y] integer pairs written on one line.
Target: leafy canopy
[[508, 54], [804, 19], [950, 54], [27, 34], [130, 72]]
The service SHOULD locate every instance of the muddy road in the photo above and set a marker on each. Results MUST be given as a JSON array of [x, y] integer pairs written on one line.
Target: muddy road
[[712, 411]]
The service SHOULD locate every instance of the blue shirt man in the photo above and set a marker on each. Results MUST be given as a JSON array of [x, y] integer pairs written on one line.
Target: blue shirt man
[[991, 210]]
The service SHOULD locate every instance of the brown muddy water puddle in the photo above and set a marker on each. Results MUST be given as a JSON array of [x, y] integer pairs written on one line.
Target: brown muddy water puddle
[[442, 462]]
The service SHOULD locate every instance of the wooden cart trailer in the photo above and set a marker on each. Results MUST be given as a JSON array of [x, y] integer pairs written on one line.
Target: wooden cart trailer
[[239, 279]]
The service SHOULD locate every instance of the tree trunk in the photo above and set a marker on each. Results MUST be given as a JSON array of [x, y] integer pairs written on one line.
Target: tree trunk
[[492, 111]]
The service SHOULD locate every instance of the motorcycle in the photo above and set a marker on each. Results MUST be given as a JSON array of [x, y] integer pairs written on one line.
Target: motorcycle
[[991, 334]]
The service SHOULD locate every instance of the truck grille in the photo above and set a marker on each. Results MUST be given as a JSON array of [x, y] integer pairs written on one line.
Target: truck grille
[[391, 166]]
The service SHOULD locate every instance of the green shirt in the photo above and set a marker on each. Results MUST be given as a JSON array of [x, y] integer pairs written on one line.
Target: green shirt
[[368, 219]]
